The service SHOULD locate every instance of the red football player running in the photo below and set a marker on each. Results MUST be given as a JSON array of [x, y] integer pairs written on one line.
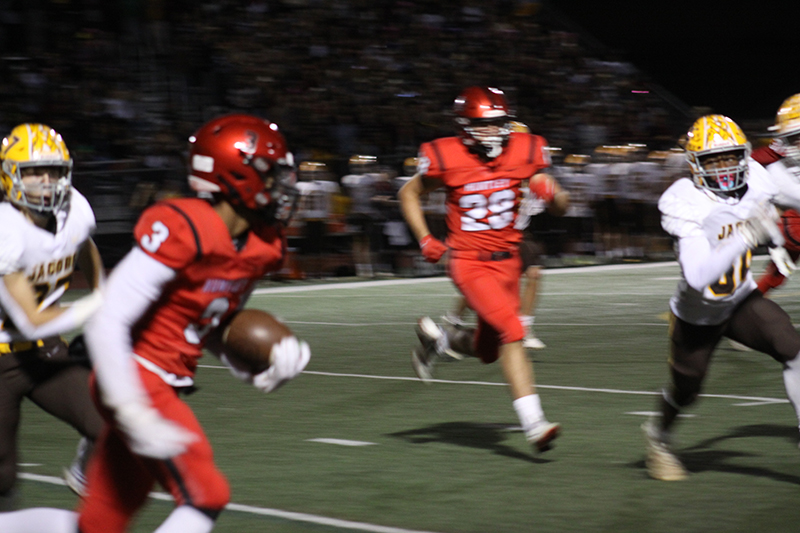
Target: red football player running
[[195, 263], [782, 159], [482, 171]]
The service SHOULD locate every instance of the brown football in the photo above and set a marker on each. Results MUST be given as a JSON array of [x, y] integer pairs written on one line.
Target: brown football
[[248, 338]]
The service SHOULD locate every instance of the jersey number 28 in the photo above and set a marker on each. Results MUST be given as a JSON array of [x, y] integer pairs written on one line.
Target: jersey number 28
[[497, 209]]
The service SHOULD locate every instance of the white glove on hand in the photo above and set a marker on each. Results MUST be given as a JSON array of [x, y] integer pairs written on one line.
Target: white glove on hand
[[762, 228], [783, 262], [524, 211], [289, 358], [151, 435]]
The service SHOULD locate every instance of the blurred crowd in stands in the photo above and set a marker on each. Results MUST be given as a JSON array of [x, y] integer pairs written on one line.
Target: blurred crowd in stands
[[127, 82]]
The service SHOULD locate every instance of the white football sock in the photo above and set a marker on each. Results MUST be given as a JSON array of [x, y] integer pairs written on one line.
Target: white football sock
[[526, 320], [529, 411], [186, 519], [39, 520], [791, 380]]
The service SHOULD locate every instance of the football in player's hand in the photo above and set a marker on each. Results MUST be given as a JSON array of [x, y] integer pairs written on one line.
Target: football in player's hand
[[248, 338]]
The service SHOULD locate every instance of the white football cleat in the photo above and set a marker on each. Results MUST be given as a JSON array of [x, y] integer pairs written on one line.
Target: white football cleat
[[434, 338], [738, 346], [75, 475], [661, 463], [422, 364], [454, 320], [532, 342], [542, 435], [75, 480]]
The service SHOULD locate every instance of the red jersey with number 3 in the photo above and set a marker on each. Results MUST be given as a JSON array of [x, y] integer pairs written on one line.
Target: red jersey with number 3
[[483, 196], [212, 279]]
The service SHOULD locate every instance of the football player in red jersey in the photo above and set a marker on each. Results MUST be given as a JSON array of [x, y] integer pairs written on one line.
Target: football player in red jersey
[[482, 170], [195, 263], [530, 252], [782, 159]]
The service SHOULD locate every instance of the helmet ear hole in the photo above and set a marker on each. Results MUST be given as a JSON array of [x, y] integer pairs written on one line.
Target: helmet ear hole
[[261, 164]]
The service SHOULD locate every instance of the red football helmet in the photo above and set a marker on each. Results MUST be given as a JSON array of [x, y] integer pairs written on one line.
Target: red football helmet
[[483, 118], [244, 160]]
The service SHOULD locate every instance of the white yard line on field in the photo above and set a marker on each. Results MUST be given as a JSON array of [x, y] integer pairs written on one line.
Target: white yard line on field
[[756, 400], [442, 279], [262, 511]]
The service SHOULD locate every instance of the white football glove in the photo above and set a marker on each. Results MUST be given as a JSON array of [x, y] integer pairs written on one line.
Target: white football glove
[[524, 211], [151, 435], [762, 228], [782, 260], [288, 358]]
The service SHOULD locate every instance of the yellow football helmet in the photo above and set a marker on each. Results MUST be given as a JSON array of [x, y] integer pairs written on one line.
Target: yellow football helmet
[[712, 135], [312, 171], [787, 128], [36, 146], [362, 164], [410, 166], [519, 127]]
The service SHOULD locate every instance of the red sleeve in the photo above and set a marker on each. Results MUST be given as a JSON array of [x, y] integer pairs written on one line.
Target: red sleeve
[[770, 279], [790, 227], [765, 155], [430, 161], [166, 234], [541, 153]]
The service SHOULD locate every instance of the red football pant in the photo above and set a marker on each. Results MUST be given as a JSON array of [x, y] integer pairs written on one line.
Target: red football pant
[[790, 228], [119, 481], [491, 289]]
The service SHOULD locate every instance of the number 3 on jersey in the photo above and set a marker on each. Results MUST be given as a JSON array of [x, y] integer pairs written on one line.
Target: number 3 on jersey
[[497, 209], [211, 318], [152, 242]]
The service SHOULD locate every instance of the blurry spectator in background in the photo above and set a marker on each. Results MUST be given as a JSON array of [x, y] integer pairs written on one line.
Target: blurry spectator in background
[[44, 235], [366, 184], [482, 170], [315, 207], [399, 239]]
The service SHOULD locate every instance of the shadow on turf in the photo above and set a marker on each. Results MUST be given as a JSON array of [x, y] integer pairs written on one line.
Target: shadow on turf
[[700, 458], [469, 434]]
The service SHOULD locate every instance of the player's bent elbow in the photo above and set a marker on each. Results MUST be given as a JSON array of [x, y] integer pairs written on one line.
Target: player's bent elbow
[[27, 329]]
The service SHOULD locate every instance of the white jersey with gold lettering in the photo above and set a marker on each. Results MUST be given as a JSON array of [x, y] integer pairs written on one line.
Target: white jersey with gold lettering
[[706, 228], [48, 259]]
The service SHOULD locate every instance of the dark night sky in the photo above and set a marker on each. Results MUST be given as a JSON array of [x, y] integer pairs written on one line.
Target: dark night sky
[[739, 62]]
